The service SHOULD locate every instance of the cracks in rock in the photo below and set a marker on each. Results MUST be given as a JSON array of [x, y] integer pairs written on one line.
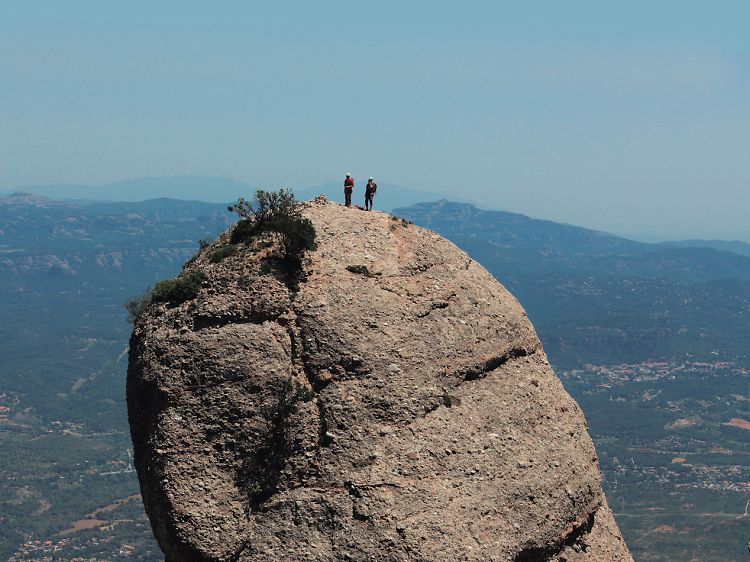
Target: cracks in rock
[[443, 302], [415, 269], [356, 490], [322, 369], [474, 370], [323, 434], [574, 539], [433, 306], [271, 467], [298, 336], [296, 349], [203, 322]]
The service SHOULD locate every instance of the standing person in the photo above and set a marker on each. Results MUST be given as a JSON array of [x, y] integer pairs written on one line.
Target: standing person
[[348, 188], [370, 190]]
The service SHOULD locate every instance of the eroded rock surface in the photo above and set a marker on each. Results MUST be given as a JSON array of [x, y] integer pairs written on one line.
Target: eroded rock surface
[[438, 431]]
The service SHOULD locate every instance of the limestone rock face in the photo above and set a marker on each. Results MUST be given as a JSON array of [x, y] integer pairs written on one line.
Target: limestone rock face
[[438, 431]]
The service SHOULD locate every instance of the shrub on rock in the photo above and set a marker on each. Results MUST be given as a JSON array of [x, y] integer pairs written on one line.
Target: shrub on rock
[[181, 289]]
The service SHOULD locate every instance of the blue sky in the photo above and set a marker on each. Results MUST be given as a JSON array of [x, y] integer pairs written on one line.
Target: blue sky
[[632, 118]]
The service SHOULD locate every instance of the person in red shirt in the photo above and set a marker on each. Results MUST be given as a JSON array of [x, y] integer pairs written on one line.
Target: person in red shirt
[[348, 188], [370, 190]]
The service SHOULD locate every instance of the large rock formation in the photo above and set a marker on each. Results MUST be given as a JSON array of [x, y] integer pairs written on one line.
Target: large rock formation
[[438, 431]]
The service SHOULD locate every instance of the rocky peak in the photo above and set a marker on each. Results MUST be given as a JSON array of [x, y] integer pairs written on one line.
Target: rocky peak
[[19, 198], [437, 429]]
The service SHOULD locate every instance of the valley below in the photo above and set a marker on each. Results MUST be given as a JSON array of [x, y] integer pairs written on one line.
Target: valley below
[[650, 341]]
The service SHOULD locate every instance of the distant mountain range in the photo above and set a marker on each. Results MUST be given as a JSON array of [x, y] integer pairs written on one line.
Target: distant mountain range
[[222, 190], [735, 246], [66, 269], [186, 188], [565, 248]]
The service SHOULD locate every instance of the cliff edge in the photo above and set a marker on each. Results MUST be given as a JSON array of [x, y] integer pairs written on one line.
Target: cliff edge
[[437, 431]]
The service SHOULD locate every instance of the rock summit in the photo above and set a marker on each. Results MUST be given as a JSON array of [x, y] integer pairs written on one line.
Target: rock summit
[[392, 402]]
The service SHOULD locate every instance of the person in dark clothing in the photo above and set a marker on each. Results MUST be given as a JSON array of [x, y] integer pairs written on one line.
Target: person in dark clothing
[[348, 188], [370, 190]]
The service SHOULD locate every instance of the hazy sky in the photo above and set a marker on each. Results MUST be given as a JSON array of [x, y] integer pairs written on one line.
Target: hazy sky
[[633, 119]]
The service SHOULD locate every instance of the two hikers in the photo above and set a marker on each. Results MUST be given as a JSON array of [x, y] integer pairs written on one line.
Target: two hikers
[[370, 190]]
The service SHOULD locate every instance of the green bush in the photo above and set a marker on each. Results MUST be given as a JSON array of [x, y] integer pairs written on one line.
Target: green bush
[[290, 394], [180, 289], [137, 305], [223, 252], [274, 212]]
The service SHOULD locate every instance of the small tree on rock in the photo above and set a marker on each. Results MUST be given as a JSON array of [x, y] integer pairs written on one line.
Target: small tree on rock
[[275, 212]]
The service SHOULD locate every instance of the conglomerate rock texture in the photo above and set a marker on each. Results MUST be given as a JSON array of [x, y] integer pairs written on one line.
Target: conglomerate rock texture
[[438, 431]]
